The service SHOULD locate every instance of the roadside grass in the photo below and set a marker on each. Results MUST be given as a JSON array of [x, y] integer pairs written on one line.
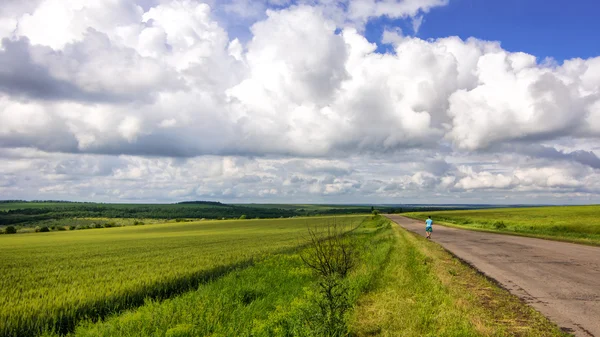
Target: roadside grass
[[272, 298], [54, 280], [578, 224], [424, 291]]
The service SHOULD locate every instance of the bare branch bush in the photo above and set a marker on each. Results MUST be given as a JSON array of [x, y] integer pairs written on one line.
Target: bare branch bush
[[331, 255]]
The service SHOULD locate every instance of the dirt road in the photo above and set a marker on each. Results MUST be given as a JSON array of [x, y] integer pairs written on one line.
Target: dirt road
[[561, 280]]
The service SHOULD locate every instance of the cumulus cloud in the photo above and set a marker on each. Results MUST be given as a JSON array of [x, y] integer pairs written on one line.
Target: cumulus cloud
[[298, 87], [165, 79]]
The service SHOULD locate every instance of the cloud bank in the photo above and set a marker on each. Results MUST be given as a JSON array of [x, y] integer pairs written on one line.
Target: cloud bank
[[119, 90]]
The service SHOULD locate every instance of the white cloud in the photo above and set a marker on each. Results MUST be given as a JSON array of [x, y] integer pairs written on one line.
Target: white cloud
[[417, 21], [117, 77], [392, 36]]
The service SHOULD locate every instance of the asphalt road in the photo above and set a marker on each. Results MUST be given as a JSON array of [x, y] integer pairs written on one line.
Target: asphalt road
[[561, 280]]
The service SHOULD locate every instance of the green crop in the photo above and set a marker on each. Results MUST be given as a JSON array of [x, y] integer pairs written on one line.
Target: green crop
[[54, 280]]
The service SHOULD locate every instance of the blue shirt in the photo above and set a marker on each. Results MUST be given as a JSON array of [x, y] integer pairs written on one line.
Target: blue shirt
[[428, 222]]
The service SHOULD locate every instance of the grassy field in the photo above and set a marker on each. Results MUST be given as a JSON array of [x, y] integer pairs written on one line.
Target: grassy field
[[244, 278], [580, 224], [272, 298], [58, 278]]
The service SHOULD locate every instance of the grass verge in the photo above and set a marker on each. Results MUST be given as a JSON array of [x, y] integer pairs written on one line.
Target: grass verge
[[425, 291]]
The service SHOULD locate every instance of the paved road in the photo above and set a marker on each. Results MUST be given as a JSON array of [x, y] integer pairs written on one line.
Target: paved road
[[561, 280]]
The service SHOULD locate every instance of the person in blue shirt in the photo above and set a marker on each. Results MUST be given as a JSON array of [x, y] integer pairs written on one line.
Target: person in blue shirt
[[428, 227]]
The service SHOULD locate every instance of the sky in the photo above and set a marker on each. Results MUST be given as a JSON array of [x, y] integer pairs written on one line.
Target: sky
[[316, 101]]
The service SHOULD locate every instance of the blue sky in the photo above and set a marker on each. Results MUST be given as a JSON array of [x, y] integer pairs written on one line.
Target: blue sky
[[544, 28]]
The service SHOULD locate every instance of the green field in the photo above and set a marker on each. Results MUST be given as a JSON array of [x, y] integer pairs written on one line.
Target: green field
[[272, 298], [580, 224], [245, 278], [57, 278]]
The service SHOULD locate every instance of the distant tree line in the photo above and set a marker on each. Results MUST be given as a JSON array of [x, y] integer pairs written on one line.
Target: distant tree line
[[182, 210], [172, 211]]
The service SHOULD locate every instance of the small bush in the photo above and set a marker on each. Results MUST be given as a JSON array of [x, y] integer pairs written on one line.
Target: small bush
[[61, 228], [138, 223], [499, 225], [72, 227], [79, 227], [110, 224], [331, 255], [10, 230], [98, 225], [243, 217], [44, 229], [37, 229]]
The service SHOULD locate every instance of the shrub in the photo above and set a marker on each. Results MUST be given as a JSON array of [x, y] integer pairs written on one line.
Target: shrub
[[499, 225], [61, 228], [138, 223], [98, 225], [331, 255], [44, 229], [37, 229], [110, 224], [72, 227], [10, 230], [243, 217]]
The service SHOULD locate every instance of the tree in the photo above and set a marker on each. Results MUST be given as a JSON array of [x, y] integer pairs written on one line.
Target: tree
[[10, 230]]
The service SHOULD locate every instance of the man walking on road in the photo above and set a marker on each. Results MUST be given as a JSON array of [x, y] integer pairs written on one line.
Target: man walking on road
[[428, 227]]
